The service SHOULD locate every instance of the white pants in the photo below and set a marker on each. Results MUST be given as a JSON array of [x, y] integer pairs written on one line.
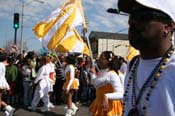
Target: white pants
[[40, 94]]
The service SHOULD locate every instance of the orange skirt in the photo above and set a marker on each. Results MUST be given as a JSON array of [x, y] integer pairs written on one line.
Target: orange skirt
[[115, 108], [73, 86]]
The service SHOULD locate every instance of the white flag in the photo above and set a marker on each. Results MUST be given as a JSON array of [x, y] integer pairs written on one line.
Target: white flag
[[53, 29]]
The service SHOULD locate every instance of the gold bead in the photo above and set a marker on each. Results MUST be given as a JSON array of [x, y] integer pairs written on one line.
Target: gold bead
[[171, 51], [150, 90], [162, 67], [158, 75], [144, 103], [166, 60], [144, 112], [127, 88], [129, 81], [153, 83]]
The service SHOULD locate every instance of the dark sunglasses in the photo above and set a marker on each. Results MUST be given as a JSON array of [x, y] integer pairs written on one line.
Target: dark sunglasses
[[149, 15]]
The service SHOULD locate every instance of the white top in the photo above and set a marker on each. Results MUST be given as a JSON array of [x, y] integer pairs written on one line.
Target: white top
[[71, 70], [51, 69], [162, 99], [109, 77], [3, 81], [51, 66], [42, 78]]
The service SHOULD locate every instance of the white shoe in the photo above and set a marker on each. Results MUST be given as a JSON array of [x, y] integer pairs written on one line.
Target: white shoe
[[10, 110], [45, 109], [7, 113], [74, 109], [31, 108], [65, 109], [51, 105], [69, 112]]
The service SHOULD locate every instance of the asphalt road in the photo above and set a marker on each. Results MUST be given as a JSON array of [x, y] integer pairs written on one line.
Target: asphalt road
[[56, 111]]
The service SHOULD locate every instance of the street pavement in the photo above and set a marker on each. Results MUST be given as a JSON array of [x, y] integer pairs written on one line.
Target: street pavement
[[58, 110]]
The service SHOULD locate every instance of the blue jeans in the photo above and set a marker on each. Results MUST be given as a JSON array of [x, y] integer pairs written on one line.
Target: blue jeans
[[27, 85]]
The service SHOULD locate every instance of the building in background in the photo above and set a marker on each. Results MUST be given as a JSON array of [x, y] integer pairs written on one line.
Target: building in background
[[102, 41]]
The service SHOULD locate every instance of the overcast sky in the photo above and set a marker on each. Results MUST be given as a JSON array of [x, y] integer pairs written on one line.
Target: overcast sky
[[95, 13]]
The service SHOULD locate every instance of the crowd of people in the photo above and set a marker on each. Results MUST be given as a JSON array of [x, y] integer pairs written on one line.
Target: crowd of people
[[34, 80]]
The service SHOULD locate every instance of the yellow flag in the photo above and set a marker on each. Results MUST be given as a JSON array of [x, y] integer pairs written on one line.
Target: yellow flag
[[72, 42], [52, 29], [131, 53]]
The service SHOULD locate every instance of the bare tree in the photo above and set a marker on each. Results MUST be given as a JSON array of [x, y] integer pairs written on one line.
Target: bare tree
[[10, 43]]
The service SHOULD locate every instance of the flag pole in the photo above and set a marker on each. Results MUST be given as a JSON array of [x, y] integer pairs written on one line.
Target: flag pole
[[57, 57], [90, 50]]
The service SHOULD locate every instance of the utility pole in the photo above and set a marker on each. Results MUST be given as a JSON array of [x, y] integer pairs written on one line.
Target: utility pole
[[22, 20]]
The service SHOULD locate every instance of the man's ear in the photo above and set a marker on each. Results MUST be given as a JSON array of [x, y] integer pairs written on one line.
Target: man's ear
[[170, 27], [173, 26]]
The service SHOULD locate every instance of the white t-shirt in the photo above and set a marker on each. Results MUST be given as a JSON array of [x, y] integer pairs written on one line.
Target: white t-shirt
[[162, 99]]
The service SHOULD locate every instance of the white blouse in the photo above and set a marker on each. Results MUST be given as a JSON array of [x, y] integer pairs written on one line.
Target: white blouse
[[109, 77]]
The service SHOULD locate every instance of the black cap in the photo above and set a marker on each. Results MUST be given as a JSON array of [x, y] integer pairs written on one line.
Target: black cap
[[126, 5]]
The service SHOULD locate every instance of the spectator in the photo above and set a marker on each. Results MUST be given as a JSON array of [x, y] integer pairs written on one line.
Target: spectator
[[60, 79], [27, 81], [11, 76]]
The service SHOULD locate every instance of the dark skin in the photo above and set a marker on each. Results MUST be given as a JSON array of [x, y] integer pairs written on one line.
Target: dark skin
[[154, 43]]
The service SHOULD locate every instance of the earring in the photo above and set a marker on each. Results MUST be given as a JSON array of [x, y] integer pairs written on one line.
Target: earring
[[165, 34]]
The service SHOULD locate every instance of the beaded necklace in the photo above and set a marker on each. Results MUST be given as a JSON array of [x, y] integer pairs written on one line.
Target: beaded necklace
[[147, 87]]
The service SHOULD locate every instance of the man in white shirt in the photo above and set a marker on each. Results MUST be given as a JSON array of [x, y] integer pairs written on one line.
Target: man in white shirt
[[149, 85]]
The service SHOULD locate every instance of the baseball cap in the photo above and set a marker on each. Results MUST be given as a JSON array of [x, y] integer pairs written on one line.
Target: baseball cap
[[166, 6]]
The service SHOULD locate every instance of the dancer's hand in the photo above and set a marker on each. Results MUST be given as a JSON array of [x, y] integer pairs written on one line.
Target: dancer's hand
[[105, 104], [66, 91]]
